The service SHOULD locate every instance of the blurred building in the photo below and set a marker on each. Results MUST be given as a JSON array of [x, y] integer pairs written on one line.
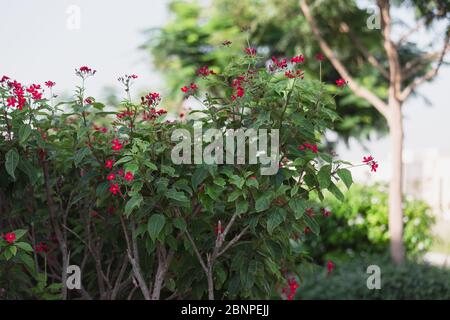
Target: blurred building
[[427, 177]]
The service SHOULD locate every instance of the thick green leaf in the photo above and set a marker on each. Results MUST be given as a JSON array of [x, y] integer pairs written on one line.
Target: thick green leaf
[[12, 160], [133, 203], [199, 175], [263, 202], [176, 195], [324, 176], [155, 225], [24, 133], [336, 192], [179, 223], [346, 177], [241, 206], [275, 219], [298, 206]]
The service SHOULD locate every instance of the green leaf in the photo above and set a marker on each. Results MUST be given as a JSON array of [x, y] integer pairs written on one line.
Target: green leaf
[[199, 175], [81, 153], [24, 133], [241, 206], [312, 224], [336, 192], [324, 176], [170, 171], [176, 195], [298, 206], [134, 202], [263, 202], [275, 219], [24, 246], [179, 223], [346, 177], [20, 233], [123, 160], [12, 160], [155, 225]]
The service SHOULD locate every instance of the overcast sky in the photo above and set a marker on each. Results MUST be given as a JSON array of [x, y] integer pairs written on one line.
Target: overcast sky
[[38, 42]]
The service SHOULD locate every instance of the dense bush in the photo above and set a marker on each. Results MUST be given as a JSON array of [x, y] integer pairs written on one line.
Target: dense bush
[[348, 280], [359, 225], [99, 189]]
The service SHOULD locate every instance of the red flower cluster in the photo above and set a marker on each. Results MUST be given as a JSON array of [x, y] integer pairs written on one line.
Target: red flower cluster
[[109, 164], [100, 129], [278, 64], [116, 145], [85, 72], [370, 161], [250, 51], [41, 247], [312, 147], [128, 176], [310, 212], [151, 99], [152, 114], [326, 213], [10, 237], [34, 91], [190, 89], [205, 71], [319, 57], [237, 84], [19, 94], [341, 82], [290, 289], [298, 59], [50, 84], [291, 75], [124, 114], [114, 188]]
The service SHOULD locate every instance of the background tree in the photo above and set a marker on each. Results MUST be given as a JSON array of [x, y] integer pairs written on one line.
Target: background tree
[[382, 70]]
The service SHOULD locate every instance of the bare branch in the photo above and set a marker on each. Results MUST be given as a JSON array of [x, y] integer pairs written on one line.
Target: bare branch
[[233, 241], [411, 31], [359, 90], [200, 259], [430, 74]]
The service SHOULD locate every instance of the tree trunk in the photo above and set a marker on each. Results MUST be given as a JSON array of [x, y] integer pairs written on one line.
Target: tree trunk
[[395, 122]]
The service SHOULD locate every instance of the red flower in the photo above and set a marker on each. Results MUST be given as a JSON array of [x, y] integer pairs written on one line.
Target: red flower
[[307, 230], [11, 102], [114, 188], [185, 89], [193, 86], [250, 51], [226, 42], [240, 92], [310, 212], [88, 101], [111, 176], [374, 166], [128, 176], [330, 266], [368, 159], [50, 84], [4, 78], [326, 213], [205, 71], [85, 72], [93, 213], [340, 82], [133, 76], [279, 64], [10, 237], [41, 247], [312, 147], [116, 145], [319, 57], [120, 172], [109, 164], [298, 59]]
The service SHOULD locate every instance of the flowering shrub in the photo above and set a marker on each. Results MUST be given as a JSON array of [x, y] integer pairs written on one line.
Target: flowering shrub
[[98, 188]]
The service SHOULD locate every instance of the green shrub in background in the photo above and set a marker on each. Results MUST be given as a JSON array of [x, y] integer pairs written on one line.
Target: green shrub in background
[[359, 225], [349, 281]]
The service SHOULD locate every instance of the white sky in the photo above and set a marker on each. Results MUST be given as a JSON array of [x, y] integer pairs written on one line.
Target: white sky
[[36, 45]]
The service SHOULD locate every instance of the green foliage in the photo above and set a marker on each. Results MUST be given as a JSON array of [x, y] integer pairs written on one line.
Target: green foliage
[[409, 281], [359, 225]]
